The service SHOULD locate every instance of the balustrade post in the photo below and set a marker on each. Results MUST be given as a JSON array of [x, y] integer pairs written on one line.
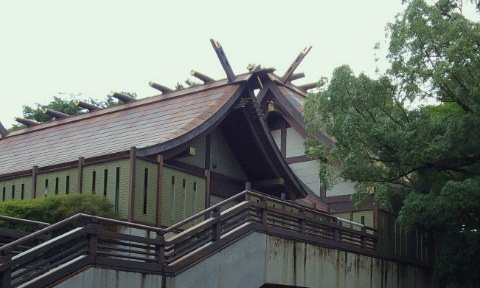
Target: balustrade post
[[363, 240], [217, 227], [302, 222], [160, 250], [92, 228], [337, 231], [263, 213], [6, 275]]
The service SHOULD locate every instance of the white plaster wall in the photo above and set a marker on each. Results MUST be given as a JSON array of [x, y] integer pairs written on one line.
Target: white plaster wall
[[294, 143], [277, 134], [307, 172], [343, 187]]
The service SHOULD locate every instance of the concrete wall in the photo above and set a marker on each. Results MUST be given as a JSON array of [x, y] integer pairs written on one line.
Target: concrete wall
[[108, 278], [258, 259]]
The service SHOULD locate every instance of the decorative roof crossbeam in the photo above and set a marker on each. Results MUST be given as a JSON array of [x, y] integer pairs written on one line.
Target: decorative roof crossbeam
[[122, 97], [55, 114], [161, 88], [26, 122], [296, 76], [3, 131], [223, 60], [201, 76], [308, 86], [85, 105], [295, 64]]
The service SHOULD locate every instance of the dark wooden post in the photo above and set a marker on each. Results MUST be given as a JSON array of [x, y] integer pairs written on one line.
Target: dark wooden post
[[159, 190], [208, 180], [92, 228], [302, 222], [34, 181], [5, 275], [217, 228], [160, 249], [81, 161], [263, 215], [131, 190]]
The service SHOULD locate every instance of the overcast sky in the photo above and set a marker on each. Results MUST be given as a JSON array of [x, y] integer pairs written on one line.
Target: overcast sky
[[94, 47]]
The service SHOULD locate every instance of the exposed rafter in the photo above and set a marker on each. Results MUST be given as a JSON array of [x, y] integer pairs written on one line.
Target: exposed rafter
[[3, 131], [55, 114], [122, 97], [26, 122], [159, 87], [295, 64], [308, 86], [296, 76], [85, 105], [201, 76], [223, 60]]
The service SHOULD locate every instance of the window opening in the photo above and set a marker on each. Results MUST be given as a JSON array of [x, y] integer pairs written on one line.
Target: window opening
[[172, 199], [13, 191], [117, 187], [3, 194], [94, 180], [105, 182], [22, 192], [56, 186], [67, 185], [46, 188], [145, 190], [184, 202]]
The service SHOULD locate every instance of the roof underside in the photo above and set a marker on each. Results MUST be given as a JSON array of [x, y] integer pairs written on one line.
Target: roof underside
[[143, 123]]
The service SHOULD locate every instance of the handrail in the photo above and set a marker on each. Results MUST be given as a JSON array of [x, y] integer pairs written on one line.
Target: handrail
[[23, 221], [8, 247]]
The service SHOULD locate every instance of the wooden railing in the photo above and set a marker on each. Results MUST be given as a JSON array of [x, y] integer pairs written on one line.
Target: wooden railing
[[124, 245], [13, 228]]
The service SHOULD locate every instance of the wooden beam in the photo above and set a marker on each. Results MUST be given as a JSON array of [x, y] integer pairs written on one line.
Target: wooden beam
[[26, 122], [189, 151], [296, 76], [208, 180], [268, 183], [81, 162], [122, 97], [3, 131], [308, 86], [131, 188], [158, 220], [85, 105], [159, 87], [34, 181], [223, 60], [55, 114], [201, 76], [295, 64]]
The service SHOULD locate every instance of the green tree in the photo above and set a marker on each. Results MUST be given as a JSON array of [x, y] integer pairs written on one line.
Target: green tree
[[63, 103], [412, 135]]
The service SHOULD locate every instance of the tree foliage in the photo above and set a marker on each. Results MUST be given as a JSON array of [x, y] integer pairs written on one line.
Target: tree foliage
[[412, 135]]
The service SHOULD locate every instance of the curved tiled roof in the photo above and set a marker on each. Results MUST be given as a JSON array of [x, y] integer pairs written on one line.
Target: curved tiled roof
[[142, 123]]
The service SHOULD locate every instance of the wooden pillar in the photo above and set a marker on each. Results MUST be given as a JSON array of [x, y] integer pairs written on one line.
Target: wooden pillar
[[208, 179], [81, 161], [283, 139], [131, 190], [159, 190], [34, 181]]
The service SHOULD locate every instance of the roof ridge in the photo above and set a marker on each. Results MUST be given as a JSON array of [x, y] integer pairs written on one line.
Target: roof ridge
[[121, 107]]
